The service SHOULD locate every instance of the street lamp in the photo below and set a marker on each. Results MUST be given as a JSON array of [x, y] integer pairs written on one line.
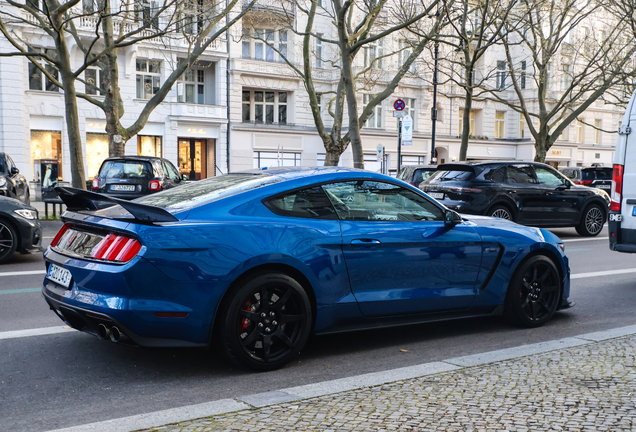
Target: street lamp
[[433, 159]]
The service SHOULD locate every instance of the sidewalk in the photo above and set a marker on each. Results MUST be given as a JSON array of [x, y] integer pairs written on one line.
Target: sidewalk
[[584, 383]]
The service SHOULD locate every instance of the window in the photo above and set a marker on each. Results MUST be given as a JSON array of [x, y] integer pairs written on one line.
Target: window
[[375, 119], [548, 77], [522, 76], [520, 174], [547, 177], [319, 100], [413, 160], [405, 52], [149, 145], [580, 132], [47, 145], [461, 122], [597, 131], [319, 52], [88, 6], [37, 5], [261, 45], [282, 43], [96, 152], [269, 49], [148, 78], [501, 75], [566, 78], [260, 106], [147, 12], [378, 201], [170, 171], [496, 175], [500, 124], [373, 53], [270, 159], [90, 76], [522, 128], [410, 110], [597, 155], [191, 88], [246, 44], [191, 18], [37, 79], [306, 203]]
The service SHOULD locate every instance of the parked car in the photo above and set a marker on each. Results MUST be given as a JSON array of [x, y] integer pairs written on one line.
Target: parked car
[[12, 183], [622, 218], [596, 177], [265, 258], [416, 174], [130, 177], [20, 229], [525, 192]]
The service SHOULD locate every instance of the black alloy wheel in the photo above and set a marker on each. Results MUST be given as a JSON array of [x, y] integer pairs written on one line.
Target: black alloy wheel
[[592, 221], [501, 212], [534, 292], [266, 322], [8, 241]]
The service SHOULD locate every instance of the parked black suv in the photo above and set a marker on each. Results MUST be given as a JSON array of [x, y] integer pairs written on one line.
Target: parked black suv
[[12, 183], [416, 174], [525, 192], [596, 177], [130, 177]]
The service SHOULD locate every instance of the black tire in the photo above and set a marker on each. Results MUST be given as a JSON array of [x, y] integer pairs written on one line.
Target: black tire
[[501, 212], [8, 241], [265, 337], [534, 292], [592, 221]]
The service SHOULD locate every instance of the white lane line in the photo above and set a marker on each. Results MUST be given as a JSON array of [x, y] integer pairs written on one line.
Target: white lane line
[[585, 239], [35, 332], [224, 406], [23, 273], [603, 273]]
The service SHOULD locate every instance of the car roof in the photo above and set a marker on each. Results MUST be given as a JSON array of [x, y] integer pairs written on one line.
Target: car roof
[[289, 173], [133, 157]]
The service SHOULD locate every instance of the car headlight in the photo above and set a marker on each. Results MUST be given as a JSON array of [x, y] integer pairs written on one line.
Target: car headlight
[[562, 247], [27, 214], [3, 181]]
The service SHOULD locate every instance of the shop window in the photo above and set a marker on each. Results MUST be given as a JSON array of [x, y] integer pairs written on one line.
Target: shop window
[[191, 89], [269, 159], [149, 145], [47, 145], [96, 152], [37, 79], [148, 78], [260, 106]]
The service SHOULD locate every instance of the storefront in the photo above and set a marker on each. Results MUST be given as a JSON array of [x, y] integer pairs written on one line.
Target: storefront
[[149, 145], [559, 156], [46, 141], [96, 146], [197, 151]]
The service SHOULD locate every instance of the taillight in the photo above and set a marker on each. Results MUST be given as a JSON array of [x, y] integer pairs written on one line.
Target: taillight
[[583, 182], [154, 185], [617, 188], [463, 189], [59, 235], [117, 248], [95, 183]]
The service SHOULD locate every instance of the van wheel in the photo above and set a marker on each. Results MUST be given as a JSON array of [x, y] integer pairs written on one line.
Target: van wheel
[[592, 221], [501, 212], [266, 321]]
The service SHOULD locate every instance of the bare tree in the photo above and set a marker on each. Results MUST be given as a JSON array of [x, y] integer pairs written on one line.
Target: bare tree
[[100, 31], [579, 44], [356, 58]]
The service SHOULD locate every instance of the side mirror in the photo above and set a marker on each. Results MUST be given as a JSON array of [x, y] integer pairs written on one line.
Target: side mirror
[[14, 171], [451, 218], [184, 177]]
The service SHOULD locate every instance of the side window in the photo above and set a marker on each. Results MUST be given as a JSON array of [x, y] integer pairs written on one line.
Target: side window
[[170, 170], [306, 203], [378, 201], [547, 177], [520, 174], [3, 165], [496, 175]]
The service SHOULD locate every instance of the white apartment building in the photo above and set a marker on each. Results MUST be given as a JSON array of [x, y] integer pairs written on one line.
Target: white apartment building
[[270, 122]]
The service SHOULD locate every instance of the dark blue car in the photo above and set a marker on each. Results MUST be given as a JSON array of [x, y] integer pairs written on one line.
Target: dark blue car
[[262, 259]]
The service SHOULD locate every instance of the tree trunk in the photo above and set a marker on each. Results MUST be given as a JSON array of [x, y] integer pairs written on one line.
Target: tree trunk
[[463, 149], [541, 146], [332, 158], [352, 111]]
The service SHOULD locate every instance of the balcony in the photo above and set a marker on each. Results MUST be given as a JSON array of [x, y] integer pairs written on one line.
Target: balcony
[[210, 112], [279, 7]]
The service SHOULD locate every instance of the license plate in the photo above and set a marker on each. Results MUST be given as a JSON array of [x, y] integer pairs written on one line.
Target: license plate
[[59, 275], [127, 188], [604, 186], [437, 195]]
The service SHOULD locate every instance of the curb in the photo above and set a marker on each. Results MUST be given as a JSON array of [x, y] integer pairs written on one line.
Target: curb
[[258, 400]]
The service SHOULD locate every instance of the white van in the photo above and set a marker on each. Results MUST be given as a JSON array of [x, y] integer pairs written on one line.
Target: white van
[[622, 218]]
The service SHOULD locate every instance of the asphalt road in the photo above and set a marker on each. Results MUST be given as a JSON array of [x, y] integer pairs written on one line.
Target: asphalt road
[[62, 380]]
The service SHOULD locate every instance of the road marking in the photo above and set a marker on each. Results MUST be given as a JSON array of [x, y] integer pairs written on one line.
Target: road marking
[[23, 273], [35, 332], [585, 239], [18, 291], [603, 273]]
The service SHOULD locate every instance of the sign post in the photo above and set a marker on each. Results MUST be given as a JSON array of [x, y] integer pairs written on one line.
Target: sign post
[[399, 106]]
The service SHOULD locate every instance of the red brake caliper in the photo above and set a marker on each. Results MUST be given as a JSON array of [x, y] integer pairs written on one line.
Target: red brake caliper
[[245, 321]]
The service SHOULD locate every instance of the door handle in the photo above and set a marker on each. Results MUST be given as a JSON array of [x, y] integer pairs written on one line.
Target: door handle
[[365, 242]]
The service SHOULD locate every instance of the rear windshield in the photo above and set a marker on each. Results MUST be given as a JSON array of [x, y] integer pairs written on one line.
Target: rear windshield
[[211, 189], [126, 170], [597, 174], [442, 176], [422, 174]]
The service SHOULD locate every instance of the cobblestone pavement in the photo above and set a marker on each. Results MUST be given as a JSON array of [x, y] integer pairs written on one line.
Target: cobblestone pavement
[[586, 388]]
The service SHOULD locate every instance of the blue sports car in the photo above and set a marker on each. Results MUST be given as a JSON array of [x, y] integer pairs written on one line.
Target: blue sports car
[[254, 262]]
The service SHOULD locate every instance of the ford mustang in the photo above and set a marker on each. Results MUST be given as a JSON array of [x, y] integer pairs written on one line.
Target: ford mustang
[[254, 262]]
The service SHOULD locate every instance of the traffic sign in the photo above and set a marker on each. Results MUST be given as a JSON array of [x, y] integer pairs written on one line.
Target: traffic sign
[[399, 114], [407, 128], [380, 152], [399, 105]]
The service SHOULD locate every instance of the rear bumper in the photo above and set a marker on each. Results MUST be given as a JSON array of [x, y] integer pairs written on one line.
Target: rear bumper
[[621, 240]]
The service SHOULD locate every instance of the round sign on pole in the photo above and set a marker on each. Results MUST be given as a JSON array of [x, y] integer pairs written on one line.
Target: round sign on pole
[[399, 105]]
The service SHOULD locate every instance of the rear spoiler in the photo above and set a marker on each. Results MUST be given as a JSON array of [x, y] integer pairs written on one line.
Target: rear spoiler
[[79, 199], [455, 167]]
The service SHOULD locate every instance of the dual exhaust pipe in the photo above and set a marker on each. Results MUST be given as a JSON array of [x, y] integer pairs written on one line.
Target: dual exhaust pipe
[[112, 333]]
